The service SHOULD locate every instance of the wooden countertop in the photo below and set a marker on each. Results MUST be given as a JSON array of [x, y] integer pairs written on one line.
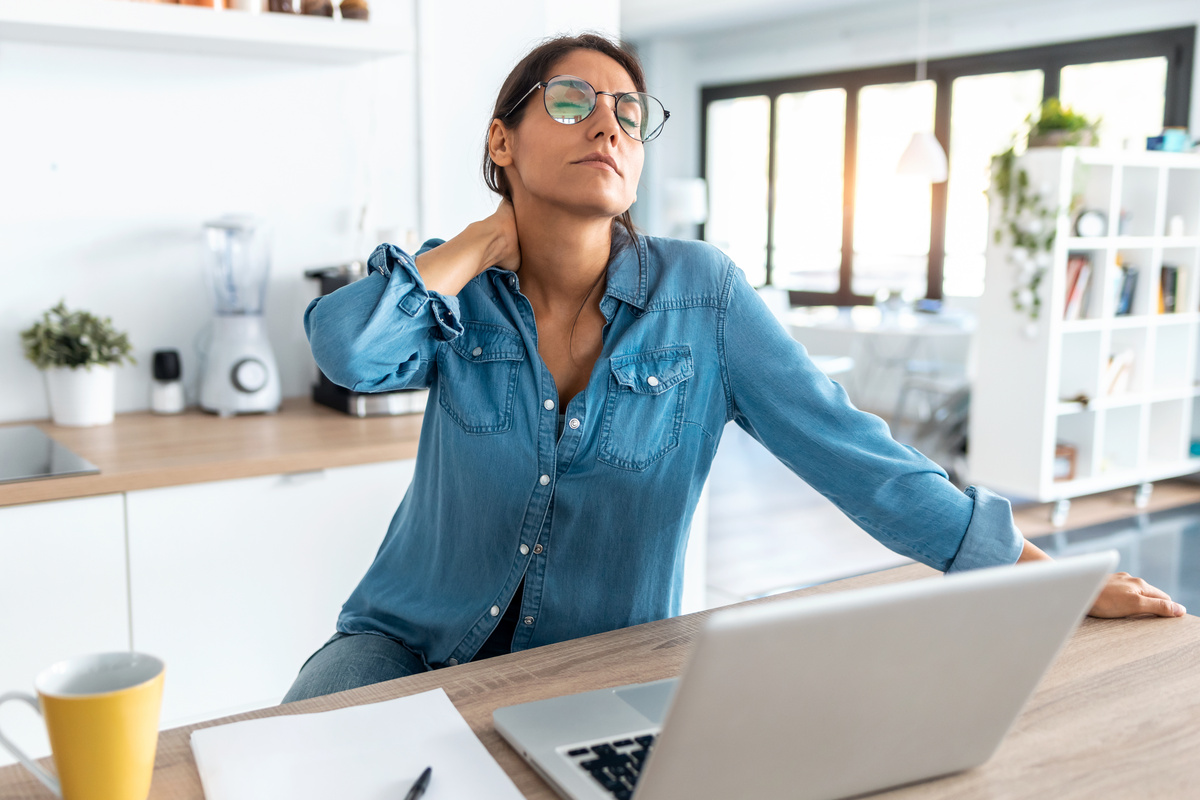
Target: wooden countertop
[[145, 451]]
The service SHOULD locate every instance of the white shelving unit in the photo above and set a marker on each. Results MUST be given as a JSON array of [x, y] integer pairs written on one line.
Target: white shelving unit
[[153, 26], [1030, 374]]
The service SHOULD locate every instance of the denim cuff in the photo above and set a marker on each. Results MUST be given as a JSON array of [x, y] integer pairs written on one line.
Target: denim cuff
[[400, 270], [992, 537]]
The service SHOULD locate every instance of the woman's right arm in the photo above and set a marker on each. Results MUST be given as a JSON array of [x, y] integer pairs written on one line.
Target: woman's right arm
[[382, 332]]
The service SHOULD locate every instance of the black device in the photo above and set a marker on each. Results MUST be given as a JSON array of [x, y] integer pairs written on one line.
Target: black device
[[166, 365]]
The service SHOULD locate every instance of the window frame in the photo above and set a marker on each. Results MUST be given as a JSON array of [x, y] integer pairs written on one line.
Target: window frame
[[1177, 45]]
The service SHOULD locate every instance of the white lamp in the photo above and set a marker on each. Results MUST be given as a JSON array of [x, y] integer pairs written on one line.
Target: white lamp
[[924, 155], [685, 203]]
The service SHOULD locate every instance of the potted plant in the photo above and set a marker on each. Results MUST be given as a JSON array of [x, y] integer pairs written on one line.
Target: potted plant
[[1057, 125], [77, 351]]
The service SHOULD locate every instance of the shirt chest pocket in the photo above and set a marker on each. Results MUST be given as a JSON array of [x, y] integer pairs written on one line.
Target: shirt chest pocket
[[643, 413], [477, 377]]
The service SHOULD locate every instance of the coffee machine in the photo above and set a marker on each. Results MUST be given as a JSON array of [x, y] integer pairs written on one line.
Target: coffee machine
[[240, 375]]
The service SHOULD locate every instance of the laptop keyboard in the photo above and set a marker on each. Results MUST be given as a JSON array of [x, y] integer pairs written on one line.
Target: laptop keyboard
[[614, 764]]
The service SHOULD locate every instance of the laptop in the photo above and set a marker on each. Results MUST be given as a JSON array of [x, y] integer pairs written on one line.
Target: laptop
[[821, 697]]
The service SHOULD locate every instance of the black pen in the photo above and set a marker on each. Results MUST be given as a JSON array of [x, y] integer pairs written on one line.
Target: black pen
[[418, 788]]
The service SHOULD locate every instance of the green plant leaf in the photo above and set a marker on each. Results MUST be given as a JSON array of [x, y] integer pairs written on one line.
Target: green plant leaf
[[64, 338]]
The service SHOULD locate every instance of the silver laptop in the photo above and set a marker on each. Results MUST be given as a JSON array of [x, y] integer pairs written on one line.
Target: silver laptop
[[821, 697]]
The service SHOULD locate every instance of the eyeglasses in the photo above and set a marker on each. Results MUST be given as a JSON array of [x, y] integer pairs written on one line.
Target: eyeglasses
[[570, 100]]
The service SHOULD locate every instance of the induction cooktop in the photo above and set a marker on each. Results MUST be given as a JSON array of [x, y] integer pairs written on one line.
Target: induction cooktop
[[28, 454]]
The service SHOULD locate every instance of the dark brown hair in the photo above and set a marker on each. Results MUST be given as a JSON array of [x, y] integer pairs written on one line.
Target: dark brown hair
[[533, 68]]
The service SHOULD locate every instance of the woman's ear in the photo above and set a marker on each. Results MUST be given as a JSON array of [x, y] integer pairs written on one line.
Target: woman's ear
[[500, 144]]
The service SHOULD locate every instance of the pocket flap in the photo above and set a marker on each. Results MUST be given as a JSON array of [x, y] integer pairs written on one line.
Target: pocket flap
[[481, 341], [653, 371]]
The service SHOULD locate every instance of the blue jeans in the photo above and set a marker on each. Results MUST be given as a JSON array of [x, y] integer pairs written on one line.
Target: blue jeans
[[348, 661]]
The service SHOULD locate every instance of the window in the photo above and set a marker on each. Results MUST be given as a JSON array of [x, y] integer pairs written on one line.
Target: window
[[807, 221], [738, 181], [1128, 97], [984, 111], [802, 171], [891, 211]]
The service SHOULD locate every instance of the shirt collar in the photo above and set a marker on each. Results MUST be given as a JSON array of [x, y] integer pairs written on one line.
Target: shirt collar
[[626, 279], [627, 268]]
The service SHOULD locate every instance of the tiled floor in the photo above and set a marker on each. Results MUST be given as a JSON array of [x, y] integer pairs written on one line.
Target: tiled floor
[[770, 532]]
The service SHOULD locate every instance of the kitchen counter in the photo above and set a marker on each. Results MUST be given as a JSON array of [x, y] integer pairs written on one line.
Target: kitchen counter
[[145, 451]]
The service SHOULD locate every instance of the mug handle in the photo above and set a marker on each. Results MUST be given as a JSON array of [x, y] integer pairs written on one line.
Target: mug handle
[[49, 780]]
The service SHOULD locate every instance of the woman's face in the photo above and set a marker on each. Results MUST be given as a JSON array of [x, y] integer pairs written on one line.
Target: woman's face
[[548, 161]]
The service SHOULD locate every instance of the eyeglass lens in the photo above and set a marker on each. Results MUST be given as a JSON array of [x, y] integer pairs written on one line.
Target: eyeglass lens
[[571, 100]]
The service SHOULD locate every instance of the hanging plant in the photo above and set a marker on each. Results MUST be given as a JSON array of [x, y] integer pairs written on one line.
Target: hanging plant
[[1025, 218], [1028, 223]]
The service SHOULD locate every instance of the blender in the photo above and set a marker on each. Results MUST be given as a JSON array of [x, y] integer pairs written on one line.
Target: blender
[[240, 375]]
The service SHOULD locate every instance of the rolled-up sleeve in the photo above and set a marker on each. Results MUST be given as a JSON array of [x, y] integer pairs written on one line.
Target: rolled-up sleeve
[[382, 332], [900, 497], [410, 293], [992, 537]]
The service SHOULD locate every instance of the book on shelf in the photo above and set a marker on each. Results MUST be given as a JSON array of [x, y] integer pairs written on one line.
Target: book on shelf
[[1118, 372], [1079, 273], [1127, 288], [1168, 289]]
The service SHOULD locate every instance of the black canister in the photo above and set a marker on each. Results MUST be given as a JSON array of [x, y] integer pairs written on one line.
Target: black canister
[[166, 392]]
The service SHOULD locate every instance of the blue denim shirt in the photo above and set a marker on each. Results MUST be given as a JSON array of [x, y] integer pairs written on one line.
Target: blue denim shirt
[[596, 522]]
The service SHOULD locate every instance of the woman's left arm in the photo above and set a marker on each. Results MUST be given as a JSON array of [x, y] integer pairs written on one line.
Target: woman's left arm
[[776, 394], [1122, 596]]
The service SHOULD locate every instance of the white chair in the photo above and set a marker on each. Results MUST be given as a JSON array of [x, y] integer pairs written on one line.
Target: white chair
[[930, 383]]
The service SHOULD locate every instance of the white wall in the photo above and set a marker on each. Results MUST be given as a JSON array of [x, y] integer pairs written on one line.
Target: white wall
[[466, 53], [861, 36], [111, 160]]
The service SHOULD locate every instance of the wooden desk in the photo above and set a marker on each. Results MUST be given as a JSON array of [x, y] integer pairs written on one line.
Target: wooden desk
[[1116, 715]]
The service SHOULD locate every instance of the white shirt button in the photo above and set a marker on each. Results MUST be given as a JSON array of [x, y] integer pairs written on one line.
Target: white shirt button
[[549, 404], [495, 611], [529, 620], [524, 549], [452, 662], [478, 351], [512, 280], [544, 480], [574, 423], [653, 381], [537, 549]]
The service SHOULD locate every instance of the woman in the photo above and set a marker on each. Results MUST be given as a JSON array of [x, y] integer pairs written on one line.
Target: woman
[[580, 376]]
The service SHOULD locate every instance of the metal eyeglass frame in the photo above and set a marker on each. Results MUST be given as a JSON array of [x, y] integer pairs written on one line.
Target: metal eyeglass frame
[[616, 102]]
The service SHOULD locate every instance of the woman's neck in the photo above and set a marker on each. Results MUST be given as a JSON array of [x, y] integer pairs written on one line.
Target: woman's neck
[[562, 257]]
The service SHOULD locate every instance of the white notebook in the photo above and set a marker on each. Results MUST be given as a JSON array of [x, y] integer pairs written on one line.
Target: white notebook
[[371, 752]]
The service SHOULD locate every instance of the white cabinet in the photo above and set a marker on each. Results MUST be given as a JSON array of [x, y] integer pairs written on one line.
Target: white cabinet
[[63, 592], [1116, 380], [235, 583]]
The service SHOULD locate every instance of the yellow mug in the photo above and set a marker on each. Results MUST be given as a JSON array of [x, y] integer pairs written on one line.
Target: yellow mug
[[101, 712]]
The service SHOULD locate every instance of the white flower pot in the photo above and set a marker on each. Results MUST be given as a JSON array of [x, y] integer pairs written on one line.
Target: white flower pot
[[81, 396]]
